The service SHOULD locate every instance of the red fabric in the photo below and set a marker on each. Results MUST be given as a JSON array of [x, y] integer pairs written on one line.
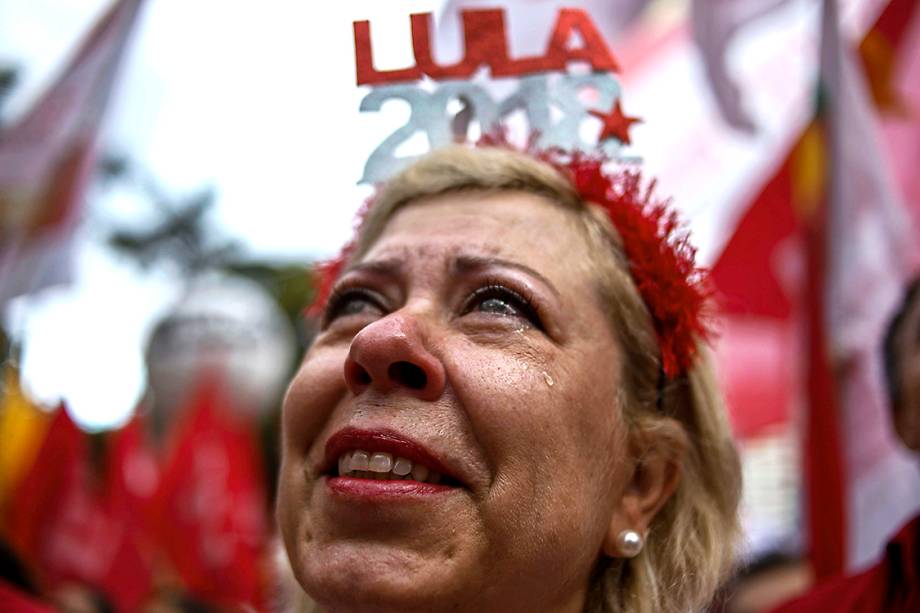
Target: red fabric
[[891, 586], [35, 507], [756, 285], [751, 277], [210, 507], [895, 21], [68, 527], [752, 358], [53, 145], [132, 473], [758, 268], [755, 277], [131, 482], [14, 601]]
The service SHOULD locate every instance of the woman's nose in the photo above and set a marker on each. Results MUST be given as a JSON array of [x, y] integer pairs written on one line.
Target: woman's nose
[[390, 355]]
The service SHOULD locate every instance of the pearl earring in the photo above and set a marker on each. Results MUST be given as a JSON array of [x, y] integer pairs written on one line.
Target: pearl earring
[[629, 542]]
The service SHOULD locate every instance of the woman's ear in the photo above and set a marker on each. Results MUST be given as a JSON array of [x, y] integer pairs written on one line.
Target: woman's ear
[[658, 453]]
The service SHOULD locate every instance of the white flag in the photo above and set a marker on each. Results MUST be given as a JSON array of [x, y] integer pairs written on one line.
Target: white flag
[[871, 252], [48, 157]]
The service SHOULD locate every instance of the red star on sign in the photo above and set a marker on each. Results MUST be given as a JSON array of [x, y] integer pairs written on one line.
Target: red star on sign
[[615, 124]]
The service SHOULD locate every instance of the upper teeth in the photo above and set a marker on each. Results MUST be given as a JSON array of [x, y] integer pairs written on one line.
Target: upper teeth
[[382, 465]]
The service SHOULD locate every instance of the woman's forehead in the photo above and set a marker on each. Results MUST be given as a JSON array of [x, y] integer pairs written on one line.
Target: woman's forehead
[[516, 226]]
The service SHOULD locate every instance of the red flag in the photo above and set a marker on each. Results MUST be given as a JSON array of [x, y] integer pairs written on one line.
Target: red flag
[[870, 250], [758, 283], [47, 158], [66, 528], [832, 213], [36, 497], [56, 520], [211, 504], [132, 477], [751, 274]]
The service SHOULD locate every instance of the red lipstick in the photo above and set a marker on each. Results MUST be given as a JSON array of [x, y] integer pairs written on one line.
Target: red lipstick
[[349, 439], [381, 440]]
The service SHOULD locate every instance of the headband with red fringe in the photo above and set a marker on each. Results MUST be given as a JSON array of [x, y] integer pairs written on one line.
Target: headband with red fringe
[[657, 247]]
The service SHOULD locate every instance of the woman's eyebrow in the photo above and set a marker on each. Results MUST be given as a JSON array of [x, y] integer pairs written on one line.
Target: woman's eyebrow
[[473, 263]]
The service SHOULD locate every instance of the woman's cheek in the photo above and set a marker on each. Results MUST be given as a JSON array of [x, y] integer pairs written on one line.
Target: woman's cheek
[[505, 394], [312, 396], [496, 370]]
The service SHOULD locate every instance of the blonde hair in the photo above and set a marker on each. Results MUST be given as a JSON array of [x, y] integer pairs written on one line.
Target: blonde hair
[[690, 544]]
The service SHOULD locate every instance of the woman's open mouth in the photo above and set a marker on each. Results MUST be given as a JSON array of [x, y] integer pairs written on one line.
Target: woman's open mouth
[[379, 462], [382, 466]]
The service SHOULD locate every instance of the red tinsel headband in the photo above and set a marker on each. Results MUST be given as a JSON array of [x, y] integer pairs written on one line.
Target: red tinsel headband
[[661, 258]]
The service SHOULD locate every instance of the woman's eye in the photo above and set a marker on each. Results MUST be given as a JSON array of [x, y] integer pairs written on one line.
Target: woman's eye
[[502, 301], [497, 305], [352, 302]]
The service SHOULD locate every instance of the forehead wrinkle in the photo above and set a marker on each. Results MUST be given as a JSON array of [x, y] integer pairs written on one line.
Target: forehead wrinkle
[[386, 267], [397, 255]]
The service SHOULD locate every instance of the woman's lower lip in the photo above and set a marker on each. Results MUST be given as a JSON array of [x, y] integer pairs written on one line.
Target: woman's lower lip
[[353, 487]]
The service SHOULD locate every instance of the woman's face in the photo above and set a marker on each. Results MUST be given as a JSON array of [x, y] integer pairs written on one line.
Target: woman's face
[[469, 341]]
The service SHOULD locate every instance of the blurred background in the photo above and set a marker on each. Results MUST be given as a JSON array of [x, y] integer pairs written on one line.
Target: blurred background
[[171, 172]]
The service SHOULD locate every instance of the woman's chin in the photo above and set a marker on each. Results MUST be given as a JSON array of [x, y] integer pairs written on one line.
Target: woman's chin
[[370, 577]]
